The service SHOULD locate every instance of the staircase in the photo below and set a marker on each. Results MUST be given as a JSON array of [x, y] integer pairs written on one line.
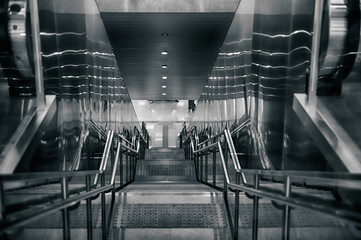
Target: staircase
[[166, 202]]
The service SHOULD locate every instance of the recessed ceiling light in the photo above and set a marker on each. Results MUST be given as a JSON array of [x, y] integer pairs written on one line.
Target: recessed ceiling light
[[164, 86], [164, 66], [164, 52], [164, 94], [164, 34], [164, 77]]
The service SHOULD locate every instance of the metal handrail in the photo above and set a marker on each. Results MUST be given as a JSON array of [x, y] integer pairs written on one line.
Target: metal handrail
[[206, 148], [345, 180], [304, 174], [189, 135], [225, 169], [46, 175], [98, 128], [232, 150], [287, 197], [128, 148], [211, 138], [112, 180], [124, 139], [91, 190], [30, 216], [348, 180], [105, 156], [76, 162], [230, 145], [241, 126]]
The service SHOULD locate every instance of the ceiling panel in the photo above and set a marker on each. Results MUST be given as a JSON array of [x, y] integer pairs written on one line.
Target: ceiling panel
[[192, 43]]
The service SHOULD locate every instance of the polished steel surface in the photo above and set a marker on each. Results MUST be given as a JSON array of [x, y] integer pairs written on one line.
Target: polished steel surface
[[38, 64], [263, 61], [340, 143], [21, 123], [18, 26], [12, 112], [80, 68], [316, 45]]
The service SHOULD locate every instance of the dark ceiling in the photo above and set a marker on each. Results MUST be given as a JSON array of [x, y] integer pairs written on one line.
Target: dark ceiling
[[192, 43]]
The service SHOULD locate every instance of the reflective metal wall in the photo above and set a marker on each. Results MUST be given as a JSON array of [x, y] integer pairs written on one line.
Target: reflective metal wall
[[78, 65], [264, 60]]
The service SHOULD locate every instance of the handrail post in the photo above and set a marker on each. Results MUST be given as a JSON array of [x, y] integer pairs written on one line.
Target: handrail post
[[287, 211], [226, 163], [206, 165], [65, 211], [255, 209], [2, 207], [126, 164], [89, 216], [132, 163], [103, 208], [121, 162], [114, 170], [214, 167], [201, 165], [236, 209], [112, 156]]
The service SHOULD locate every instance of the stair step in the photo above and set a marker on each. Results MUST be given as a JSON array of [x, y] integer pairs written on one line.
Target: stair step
[[172, 233], [164, 153]]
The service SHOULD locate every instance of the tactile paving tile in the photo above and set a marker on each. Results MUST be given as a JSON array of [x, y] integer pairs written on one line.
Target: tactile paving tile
[[270, 217], [78, 218], [170, 216], [307, 218], [165, 170]]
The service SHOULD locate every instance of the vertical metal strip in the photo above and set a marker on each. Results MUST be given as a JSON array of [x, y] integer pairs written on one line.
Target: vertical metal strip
[[226, 154], [317, 24], [35, 28], [115, 165], [126, 166], [255, 209], [65, 211], [1, 201], [236, 209], [89, 216], [103, 208], [121, 175], [201, 166], [206, 166], [287, 211], [112, 155], [214, 167], [132, 159]]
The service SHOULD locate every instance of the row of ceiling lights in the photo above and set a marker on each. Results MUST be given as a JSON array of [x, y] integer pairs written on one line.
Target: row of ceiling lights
[[164, 53]]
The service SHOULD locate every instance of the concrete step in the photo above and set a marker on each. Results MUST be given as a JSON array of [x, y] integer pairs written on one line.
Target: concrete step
[[164, 153]]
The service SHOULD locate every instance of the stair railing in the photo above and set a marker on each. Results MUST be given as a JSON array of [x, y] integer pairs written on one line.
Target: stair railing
[[68, 197], [255, 185]]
